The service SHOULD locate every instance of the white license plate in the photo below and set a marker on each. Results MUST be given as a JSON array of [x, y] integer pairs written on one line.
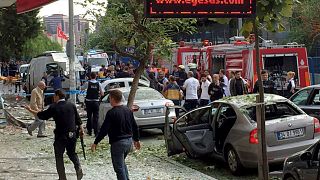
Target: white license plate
[[290, 134], [150, 111]]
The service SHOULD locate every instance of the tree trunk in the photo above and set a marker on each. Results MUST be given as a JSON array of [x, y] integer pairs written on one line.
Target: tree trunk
[[260, 113], [135, 82]]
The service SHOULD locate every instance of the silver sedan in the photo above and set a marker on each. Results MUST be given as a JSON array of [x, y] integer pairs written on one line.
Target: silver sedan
[[150, 106], [227, 129]]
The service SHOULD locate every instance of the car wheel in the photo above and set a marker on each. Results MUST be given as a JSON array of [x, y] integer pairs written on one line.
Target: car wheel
[[233, 161], [289, 178]]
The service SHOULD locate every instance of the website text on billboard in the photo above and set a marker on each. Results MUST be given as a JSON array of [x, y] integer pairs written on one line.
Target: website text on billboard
[[198, 2], [199, 8]]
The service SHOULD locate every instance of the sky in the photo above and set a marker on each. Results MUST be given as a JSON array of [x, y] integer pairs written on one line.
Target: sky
[[60, 7]]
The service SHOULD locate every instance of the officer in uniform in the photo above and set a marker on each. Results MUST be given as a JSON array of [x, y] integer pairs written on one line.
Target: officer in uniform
[[268, 85], [94, 92], [68, 125]]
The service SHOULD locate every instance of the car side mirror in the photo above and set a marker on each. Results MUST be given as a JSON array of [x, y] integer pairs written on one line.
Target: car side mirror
[[306, 156]]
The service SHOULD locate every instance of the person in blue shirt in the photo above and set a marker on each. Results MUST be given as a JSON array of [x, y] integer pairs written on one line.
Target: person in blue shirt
[[56, 82]]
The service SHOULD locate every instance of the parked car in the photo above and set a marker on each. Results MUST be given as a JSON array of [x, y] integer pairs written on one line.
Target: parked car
[[303, 165], [123, 82], [150, 106], [308, 99], [227, 129]]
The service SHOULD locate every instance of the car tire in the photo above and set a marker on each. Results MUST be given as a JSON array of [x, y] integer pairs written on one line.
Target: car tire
[[289, 178], [233, 161]]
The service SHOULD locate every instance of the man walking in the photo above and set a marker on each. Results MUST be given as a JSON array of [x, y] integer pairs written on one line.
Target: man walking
[[121, 127], [37, 105], [237, 85], [68, 123], [225, 82], [191, 86], [94, 92]]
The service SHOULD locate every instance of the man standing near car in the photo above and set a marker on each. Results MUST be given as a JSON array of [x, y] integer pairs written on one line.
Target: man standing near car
[[94, 92], [37, 104], [191, 86], [121, 127], [68, 125], [268, 86], [237, 85]]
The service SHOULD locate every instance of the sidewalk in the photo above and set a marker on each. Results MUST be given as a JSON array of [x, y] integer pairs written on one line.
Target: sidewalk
[[26, 157]]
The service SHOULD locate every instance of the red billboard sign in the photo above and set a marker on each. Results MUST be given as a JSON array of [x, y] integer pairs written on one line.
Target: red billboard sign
[[199, 8], [29, 5]]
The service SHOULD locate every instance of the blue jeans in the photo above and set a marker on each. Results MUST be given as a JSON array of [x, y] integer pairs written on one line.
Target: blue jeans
[[119, 152]]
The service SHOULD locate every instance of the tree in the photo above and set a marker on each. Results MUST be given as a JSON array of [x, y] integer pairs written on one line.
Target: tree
[[41, 43], [124, 25], [305, 23], [15, 30]]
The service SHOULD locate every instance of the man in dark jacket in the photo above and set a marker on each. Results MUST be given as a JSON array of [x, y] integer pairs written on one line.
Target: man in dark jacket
[[182, 75], [268, 86], [68, 123], [237, 85], [121, 127]]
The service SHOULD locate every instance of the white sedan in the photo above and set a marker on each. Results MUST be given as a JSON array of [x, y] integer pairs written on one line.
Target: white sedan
[[150, 107]]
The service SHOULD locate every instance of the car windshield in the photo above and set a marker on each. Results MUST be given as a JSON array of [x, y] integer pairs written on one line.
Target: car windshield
[[97, 61], [23, 69], [273, 111], [144, 94]]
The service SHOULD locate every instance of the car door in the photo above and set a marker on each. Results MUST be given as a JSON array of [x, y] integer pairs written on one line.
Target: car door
[[173, 145], [194, 131], [104, 107], [314, 104], [302, 99], [310, 171], [224, 121]]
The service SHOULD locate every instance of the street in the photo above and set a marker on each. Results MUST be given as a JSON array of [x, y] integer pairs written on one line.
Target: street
[[27, 157]]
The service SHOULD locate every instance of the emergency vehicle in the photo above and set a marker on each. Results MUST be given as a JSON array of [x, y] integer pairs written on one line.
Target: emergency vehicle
[[97, 58], [241, 56]]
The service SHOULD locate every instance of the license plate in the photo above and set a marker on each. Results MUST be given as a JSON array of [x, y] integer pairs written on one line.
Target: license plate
[[290, 134], [150, 111]]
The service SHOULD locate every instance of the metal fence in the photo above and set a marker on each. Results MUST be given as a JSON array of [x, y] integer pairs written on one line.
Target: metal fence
[[314, 69]]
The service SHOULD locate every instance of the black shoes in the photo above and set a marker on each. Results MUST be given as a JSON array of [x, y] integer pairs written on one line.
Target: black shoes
[[79, 174]]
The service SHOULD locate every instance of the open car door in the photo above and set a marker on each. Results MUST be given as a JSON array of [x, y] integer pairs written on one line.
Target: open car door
[[194, 131], [173, 145]]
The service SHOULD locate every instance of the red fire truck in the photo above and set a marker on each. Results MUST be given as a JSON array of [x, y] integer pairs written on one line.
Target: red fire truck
[[241, 56]]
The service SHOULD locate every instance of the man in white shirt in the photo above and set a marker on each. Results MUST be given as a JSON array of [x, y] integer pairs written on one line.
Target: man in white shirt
[[225, 81], [191, 86], [205, 83]]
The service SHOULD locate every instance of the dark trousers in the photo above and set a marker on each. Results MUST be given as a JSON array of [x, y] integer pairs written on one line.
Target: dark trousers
[[119, 152], [60, 145], [190, 104], [204, 102], [93, 116], [177, 103]]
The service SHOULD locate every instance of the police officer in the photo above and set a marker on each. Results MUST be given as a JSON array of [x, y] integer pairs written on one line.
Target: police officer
[[94, 92], [68, 124], [268, 85]]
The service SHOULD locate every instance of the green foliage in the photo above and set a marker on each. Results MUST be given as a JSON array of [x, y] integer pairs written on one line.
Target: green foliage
[[305, 23], [124, 25], [38, 45], [15, 30]]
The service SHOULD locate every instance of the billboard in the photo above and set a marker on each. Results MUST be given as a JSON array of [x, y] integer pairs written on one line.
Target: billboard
[[199, 8]]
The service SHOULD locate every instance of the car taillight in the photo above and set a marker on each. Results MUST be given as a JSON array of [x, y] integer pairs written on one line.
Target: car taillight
[[316, 125], [253, 139], [168, 104], [135, 108], [174, 119]]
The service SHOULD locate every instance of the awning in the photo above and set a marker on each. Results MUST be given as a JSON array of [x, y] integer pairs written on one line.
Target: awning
[[29, 5], [6, 3]]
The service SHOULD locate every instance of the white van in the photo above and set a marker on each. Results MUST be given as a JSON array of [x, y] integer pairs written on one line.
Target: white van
[[50, 62]]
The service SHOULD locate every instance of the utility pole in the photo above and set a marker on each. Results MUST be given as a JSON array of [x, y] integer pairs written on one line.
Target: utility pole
[[72, 72]]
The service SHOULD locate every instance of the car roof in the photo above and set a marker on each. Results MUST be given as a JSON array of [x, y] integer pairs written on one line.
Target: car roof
[[313, 86], [250, 100], [127, 89]]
